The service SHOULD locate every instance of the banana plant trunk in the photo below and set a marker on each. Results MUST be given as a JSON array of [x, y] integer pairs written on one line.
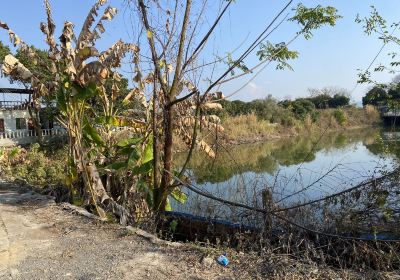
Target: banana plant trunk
[[93, 183]]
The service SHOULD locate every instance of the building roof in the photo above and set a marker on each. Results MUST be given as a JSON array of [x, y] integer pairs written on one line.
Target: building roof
[[16, 90]]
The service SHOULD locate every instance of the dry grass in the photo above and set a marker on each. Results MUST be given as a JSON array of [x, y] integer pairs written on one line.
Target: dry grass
[[354, 118], [274, 266], [371, 113], [247, 128]]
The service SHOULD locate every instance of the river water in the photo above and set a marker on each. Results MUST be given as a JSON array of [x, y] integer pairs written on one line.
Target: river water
[[296, 170]]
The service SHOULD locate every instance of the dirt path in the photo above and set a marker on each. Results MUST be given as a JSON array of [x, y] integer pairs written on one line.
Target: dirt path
[[40, 240]]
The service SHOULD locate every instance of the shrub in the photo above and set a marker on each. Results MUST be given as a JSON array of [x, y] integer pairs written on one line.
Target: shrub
[[288, 121], [34, 166], [339, 116]]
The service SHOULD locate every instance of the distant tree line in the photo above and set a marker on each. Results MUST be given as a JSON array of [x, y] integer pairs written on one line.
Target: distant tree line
[[287, 111], [319, 99]]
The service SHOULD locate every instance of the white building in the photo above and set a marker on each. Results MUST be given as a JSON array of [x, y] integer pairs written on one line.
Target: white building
[[16, 125]]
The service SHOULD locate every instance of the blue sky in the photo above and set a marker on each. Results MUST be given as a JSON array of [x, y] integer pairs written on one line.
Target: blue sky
[[330, 58]]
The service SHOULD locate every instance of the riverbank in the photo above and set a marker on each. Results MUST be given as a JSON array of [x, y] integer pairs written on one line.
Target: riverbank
[[249, 128], [40, 239]]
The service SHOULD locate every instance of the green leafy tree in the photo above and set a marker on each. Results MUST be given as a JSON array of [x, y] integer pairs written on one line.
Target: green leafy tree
[[4, 50], [38, 63], [329, 97], [394, 92], [300, 107], [339, 100], [321, 101], [376, 96], [279, 53]]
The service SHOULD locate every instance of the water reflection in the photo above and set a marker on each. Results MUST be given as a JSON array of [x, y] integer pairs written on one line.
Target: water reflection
[[269, 157], [291, 167]]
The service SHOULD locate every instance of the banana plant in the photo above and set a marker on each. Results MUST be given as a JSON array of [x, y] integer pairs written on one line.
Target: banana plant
[[78, 72]]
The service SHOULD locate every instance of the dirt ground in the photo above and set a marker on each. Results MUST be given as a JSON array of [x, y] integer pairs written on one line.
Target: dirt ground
[[41, 240]]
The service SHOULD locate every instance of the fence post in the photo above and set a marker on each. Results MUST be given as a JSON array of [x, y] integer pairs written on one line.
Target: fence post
[[268, 205]]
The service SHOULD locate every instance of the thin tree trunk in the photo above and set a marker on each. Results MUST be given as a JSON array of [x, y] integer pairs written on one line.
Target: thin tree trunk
[[161, 195], [168, 152], [155, 139]]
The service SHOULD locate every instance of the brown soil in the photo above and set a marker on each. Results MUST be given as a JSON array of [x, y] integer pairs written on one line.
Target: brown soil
[[41, 240]]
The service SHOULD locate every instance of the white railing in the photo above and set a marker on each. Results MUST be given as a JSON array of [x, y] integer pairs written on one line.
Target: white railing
[[54, 132], [32, 133], [14, 105], [392, 113], [114, 128], [120, 128]]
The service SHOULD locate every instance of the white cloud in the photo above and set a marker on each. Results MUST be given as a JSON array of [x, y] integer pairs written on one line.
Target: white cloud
[[253, 91], [250, 91], [252, 85]]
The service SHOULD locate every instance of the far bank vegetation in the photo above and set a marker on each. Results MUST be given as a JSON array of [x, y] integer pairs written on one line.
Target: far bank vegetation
[[264, 119]]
